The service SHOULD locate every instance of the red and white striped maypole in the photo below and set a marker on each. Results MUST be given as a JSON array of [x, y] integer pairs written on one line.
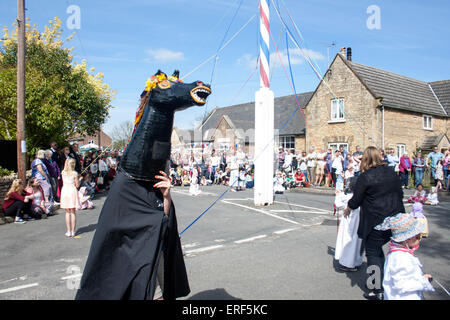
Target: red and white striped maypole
[[264, 117], [264, 44]]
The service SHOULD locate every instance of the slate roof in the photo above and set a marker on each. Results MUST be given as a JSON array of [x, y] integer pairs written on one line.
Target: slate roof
[[401, 92], [431, 141], [242, 116], [442, 91]]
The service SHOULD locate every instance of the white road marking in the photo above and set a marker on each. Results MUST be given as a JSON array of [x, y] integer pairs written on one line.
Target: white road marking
[[186, 193], [204, 249], [73, 276], [190, 245], [18, 278], [261, 211], [299, 211], [302, 206], [19, 287], [284, 231], [250, 239]]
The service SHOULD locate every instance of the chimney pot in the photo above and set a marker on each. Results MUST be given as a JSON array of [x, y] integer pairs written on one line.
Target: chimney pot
[[349, 54]]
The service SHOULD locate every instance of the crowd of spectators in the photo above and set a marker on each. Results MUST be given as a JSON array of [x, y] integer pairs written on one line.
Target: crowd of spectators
[[300, 169], [229, 168], [40, 195]]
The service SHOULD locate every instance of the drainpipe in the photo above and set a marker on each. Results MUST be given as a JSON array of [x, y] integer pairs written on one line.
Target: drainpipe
[[382, 126]]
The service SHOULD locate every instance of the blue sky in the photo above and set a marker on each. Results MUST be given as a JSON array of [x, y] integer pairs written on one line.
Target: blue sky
[[130, 40]]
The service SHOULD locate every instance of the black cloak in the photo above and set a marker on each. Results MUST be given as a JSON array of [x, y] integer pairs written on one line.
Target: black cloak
[[127, 245]]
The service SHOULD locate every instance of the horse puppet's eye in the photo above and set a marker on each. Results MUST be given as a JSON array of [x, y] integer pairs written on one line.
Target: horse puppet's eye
[[165, 84]]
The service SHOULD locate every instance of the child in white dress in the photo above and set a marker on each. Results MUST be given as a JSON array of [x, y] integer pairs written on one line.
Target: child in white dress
[[348, 244], [432, 198], [403, 276]]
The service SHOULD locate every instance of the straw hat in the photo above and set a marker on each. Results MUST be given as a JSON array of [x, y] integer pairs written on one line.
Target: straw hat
[[403, 227]]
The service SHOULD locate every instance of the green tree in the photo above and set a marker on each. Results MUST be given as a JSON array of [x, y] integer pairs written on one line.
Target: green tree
[[62, 98]]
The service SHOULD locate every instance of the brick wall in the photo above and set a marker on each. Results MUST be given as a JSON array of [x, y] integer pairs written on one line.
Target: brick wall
[[105, 140]]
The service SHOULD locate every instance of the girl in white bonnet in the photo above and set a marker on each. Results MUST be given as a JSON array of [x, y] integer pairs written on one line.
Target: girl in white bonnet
[[403, 276]]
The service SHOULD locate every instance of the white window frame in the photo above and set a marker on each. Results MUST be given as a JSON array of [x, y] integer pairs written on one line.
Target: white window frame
[[283, 142], [401, 149], [336, 145], [427, 122], [339, 114]]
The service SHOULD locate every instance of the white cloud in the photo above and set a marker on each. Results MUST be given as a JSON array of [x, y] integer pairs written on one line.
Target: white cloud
[[164, 55], [296, 56]]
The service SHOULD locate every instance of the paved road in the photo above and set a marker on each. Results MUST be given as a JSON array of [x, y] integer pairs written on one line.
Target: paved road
[[234, 251]]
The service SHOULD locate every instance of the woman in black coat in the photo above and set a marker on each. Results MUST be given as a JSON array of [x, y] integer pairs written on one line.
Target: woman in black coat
[[379, 194]]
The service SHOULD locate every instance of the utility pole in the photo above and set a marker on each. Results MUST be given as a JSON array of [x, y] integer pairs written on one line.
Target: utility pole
[[20, 136]]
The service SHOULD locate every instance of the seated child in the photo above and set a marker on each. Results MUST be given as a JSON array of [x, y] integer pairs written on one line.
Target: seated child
[[248, 181], [417, 213], [432, 198], [85, 199], [419, 195], [278, 183], [89, 185], [185, 179], [403, 276], [290, 183], [39, 208]]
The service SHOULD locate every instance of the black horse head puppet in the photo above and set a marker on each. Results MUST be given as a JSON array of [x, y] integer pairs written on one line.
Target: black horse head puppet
[[148, 151]]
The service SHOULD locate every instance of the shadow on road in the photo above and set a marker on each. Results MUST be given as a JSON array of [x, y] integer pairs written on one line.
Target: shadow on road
[[86, 229], [357, 278], [216, 294]]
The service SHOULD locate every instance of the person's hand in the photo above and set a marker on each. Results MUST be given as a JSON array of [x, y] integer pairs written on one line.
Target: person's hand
[[346, 212], [164, 185], [429, 277]]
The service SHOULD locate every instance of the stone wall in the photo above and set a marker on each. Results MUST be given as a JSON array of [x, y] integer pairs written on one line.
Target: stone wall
[[300, 143], [407, 128], [362, 124]]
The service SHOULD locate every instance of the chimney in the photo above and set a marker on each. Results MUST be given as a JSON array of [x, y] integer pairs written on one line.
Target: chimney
[[343, 51], [349, 54]]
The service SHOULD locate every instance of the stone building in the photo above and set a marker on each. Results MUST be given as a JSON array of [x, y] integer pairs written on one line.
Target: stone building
[[234, 126], [355, 104]]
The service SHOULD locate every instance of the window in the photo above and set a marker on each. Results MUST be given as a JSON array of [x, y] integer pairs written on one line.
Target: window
[[337, 109], [401, 149], [336, 145], [428, 122], [287, 142], [224, 146]]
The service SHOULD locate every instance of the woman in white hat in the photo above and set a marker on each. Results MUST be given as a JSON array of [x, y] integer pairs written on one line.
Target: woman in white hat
[[403, 276]]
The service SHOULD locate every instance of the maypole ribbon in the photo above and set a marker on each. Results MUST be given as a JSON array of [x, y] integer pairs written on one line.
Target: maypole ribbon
[[223, 47]]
